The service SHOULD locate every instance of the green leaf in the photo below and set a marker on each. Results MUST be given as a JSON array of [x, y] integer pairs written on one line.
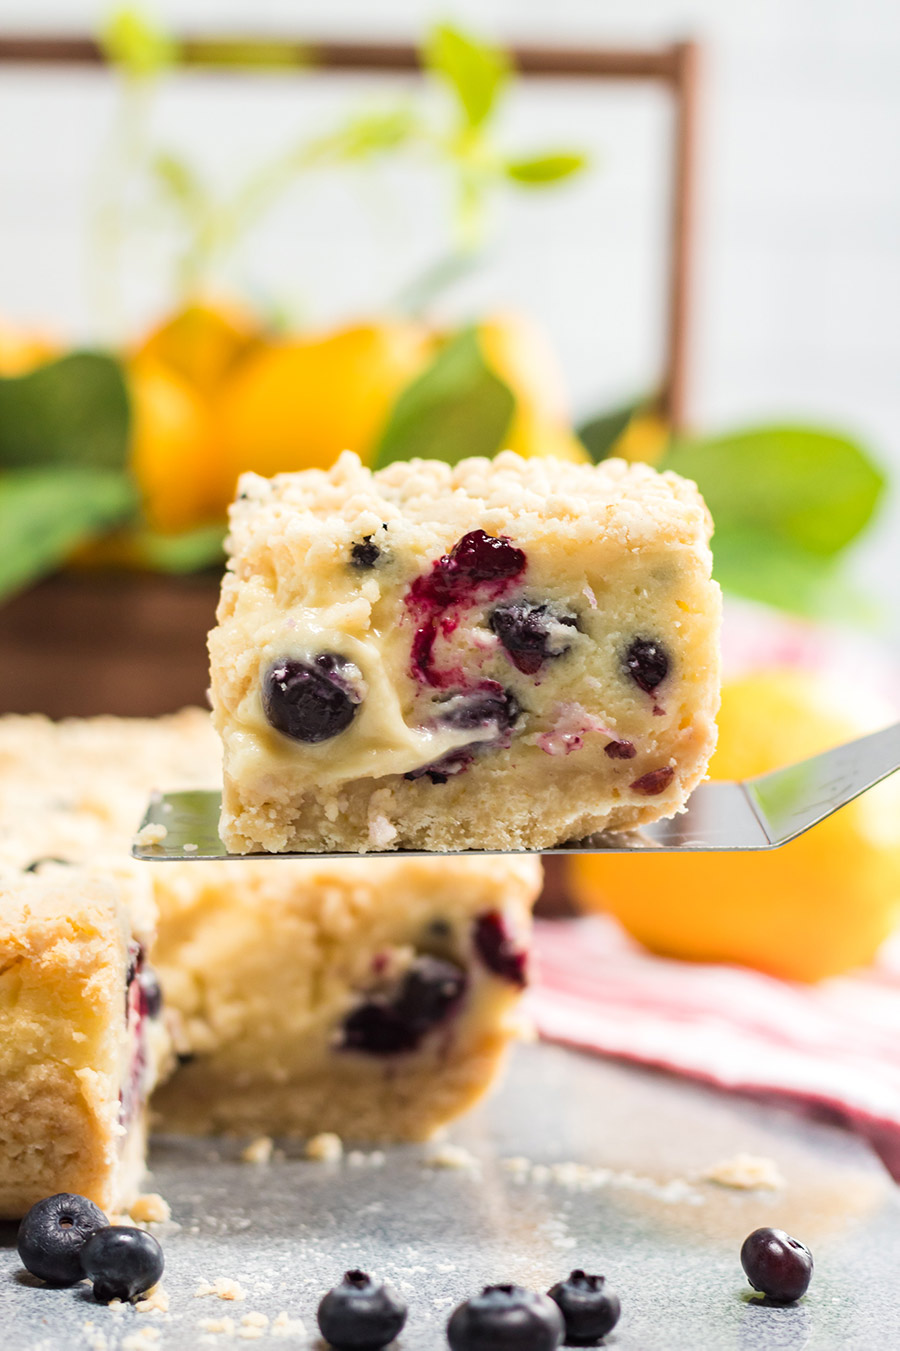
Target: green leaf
[[374, 133], [777, 572], [456, 408], [599, 434], [179, 179], [474, 70], [551, 167], [73, 411], [135, 44], [189, 551], [45, 514], [807, 487]]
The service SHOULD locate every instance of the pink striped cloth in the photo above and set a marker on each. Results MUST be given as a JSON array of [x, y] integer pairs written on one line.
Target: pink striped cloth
[[832, 1049]]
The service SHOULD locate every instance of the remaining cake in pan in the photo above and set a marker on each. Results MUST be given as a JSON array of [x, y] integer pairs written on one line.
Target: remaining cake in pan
[[370, 999], [81, 1038], [502, 654]]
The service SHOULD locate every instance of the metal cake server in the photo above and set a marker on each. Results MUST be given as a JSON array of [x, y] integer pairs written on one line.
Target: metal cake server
[[764, 812]]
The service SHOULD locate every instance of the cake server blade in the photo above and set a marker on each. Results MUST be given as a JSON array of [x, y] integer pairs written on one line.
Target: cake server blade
[[765, 812]]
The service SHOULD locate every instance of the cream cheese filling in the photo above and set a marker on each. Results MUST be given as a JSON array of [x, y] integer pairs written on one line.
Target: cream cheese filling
[[377, 743]]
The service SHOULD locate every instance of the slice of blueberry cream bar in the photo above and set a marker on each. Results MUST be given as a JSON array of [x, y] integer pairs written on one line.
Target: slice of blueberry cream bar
[[372, 1000], [500, 654], [81, 1036]]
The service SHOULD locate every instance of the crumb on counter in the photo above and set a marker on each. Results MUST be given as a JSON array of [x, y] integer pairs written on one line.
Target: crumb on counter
[[325, 1148], [258, 1151], [151, 1208], [225, 1325], [357, 1158], [283, 1325], [142, 1339], [746, 1172], [451, 1156], [222, 1287], [255, 1319], [155, 1301]]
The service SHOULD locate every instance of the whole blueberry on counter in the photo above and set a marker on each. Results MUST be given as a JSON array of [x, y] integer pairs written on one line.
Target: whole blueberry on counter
[[361, 1314], [53, 1233], [588, 1306], [777, 1265], [506, 1318], [122, 1262]]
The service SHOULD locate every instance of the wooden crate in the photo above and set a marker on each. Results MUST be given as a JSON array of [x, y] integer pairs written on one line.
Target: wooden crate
[[130, 644]]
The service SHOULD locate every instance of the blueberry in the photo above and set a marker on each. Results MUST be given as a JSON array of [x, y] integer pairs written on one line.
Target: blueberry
[[777, 1265], [506, 1318], [439, 771], [498, 950], [122, 1262], [532, 634], [397, 1021], [365, 553], [475, 558], [647, 663], [490, 704], [589, 1308], [312, 701], [655, 781], [150, 994], [620, 750], [360, 1314], [135, 963], [53, 1233], [491, 707]]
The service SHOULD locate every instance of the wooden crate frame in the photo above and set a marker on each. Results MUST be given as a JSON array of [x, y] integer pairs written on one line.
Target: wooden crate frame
[[673, 67]]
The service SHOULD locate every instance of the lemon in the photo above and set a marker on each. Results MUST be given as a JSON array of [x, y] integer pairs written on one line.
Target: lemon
[[173, 454], [21, 349], [297, 404], [518, 351], [644, 440], [201, 343], [816, 907]]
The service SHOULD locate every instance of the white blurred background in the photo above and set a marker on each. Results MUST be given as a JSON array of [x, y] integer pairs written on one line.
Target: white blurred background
[[796, 309]]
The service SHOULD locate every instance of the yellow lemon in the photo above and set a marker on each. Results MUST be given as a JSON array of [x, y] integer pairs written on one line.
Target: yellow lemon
[[173, 452], [644, 439], [297, 404], [814, 908], [201, 342], [516, 348], [21, 349]]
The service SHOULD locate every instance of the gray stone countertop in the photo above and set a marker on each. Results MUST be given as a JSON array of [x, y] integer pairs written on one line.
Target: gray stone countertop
[[611, 1182]]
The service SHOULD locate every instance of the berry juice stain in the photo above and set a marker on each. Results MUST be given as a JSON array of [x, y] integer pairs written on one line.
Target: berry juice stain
[[478, 568]]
